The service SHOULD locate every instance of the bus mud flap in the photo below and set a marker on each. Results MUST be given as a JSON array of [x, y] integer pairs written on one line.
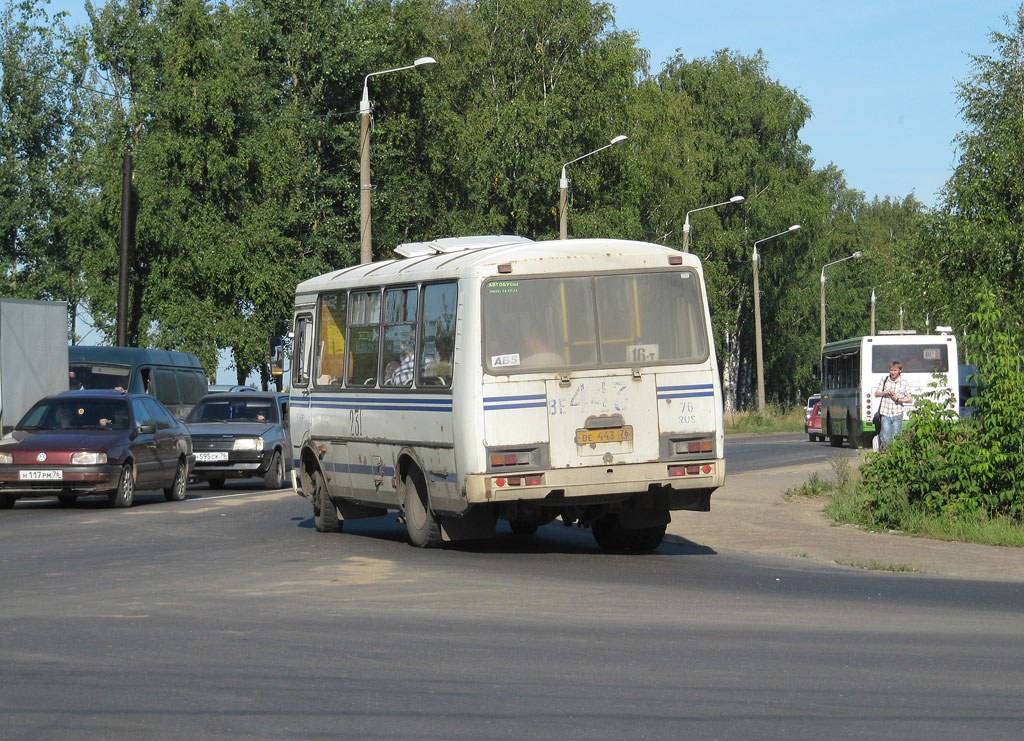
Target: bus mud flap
[[477, 522]]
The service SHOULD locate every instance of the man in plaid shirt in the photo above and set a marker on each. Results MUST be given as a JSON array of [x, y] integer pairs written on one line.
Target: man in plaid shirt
[[894, 393]]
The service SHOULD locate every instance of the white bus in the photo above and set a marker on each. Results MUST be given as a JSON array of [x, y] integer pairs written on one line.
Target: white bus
[[487, 378], [852, 369]]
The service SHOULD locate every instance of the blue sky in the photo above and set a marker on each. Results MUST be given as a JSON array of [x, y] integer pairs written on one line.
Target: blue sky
[[880, 76]]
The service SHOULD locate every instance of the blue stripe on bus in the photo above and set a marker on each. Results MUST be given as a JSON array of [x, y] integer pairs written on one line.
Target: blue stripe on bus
[[527, 401], [686, 392], [389, 403]]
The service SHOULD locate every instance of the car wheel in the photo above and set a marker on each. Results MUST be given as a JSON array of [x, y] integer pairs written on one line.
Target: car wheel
[[325, 514], [610, 535], [274, 478], [176, 491], [424, 530], [216, 483], [647, 538], [7, 501], [125, 493], [67, 499], [810, 437]]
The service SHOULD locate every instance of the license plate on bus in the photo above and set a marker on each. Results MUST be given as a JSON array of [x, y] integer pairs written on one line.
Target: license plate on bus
[[609, 435], [40, 475], [211, 457]]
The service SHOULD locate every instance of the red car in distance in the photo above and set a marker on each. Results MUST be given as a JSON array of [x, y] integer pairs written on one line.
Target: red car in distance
[[814, 424]]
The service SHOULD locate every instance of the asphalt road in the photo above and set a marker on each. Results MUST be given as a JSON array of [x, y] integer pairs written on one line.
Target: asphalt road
[[228, 616]]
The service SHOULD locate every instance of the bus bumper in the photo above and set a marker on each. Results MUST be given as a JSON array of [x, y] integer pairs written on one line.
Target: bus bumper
[[595, 481]]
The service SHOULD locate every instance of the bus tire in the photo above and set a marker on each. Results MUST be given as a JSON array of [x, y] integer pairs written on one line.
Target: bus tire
[[424, 530], [853, 434], [522, 527], [325, 513], [610, 535], [647, 538]]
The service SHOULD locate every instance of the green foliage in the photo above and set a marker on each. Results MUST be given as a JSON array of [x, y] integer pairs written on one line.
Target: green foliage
[[953, 468]]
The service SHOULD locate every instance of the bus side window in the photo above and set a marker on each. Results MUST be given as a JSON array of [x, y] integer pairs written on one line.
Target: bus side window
[[331, 338], [399, 354], [363, 347], [438, 348]]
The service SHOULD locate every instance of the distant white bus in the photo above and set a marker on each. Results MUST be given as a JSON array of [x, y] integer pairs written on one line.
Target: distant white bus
[[852, 369], [488, 378]]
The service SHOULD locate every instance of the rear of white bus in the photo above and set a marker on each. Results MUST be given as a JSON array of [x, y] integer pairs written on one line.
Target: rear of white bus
[[599, 398]]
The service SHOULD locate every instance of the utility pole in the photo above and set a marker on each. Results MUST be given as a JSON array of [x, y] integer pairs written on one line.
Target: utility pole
[[126, 236]]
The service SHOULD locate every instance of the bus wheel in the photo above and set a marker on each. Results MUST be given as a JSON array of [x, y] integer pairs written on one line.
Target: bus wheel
[[836, 441], [424, 530], [325, 514], [854, 436], [610, 535], [522, 527], [647, 538]]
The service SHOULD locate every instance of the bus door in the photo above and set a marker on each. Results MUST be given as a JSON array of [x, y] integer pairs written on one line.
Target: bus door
[[300, 393]]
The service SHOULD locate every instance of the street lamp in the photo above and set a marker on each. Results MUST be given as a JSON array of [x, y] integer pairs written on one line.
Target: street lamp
[[757, 322], [858, 253], [686, 223], [563, 186], [365, 242]]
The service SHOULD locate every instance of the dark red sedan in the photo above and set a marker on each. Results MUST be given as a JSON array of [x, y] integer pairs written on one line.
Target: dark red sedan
[[81, 443]]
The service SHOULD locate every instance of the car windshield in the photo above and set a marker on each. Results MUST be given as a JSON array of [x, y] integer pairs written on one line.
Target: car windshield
[[223, 409], [77, 414], [95, 376]]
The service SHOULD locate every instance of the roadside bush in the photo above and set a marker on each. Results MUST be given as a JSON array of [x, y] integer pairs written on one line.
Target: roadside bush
[[951, 468]]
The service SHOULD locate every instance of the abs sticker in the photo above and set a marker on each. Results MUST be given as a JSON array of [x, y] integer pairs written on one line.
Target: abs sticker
[[504, 361]]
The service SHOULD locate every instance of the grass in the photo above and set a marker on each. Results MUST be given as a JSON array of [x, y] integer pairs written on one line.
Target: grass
[[847, 505], [775, 420], [878, 566]]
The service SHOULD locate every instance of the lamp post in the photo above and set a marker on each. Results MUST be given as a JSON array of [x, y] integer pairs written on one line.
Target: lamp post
[[858, 253], [563, 186], [757, 322], [365, 241], [686, 223]]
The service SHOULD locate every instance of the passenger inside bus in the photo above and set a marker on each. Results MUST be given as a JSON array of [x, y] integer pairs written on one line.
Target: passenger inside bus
[[538, 354]]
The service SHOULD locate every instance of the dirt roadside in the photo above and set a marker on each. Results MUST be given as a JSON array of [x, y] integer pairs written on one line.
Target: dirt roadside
[[751, 514]]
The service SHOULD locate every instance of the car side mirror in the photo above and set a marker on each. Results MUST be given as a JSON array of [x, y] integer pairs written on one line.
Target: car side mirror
[[145, 429]]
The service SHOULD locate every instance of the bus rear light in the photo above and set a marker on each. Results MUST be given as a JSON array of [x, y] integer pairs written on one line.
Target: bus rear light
[[515, 481], [499, 481], [534, 480], [677, 470], [510, 459], [693, 447], [688, 470]]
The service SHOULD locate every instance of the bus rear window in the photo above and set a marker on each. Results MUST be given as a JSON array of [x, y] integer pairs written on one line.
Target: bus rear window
[[593, 321], [915, 358]]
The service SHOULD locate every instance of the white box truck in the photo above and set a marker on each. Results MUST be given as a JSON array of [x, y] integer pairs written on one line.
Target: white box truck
[[33, 355]]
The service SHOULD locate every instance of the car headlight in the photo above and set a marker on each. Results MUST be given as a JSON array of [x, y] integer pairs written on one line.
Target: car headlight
[[6, 458], [88, 459], [249, 443]]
